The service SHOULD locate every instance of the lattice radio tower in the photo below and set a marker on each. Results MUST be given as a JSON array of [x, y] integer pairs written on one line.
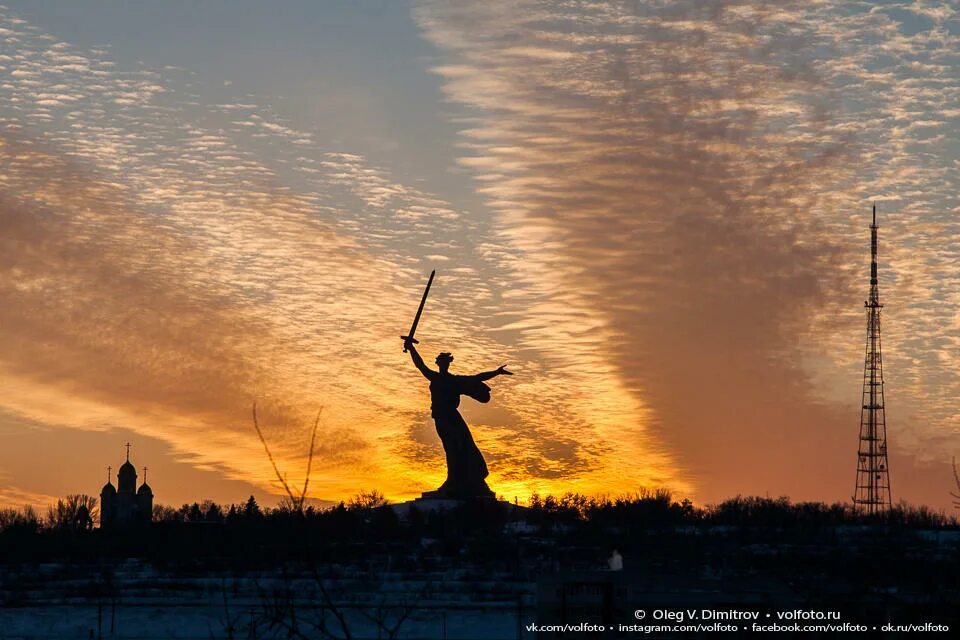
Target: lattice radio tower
[[872, 492]]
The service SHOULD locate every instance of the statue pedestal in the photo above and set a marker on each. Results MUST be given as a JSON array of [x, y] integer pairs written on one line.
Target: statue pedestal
[[440, 494], [427, 502]]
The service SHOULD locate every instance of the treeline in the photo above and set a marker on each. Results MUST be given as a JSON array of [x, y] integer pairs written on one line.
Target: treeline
[[209, 511], [659, 507], [572, 529], [662, 507], [78, 512]]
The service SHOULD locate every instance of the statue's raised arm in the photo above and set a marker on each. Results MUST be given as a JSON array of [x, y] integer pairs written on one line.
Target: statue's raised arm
[[418, 362]]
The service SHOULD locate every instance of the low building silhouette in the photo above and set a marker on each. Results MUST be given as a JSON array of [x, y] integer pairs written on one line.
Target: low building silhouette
[[125, 504]]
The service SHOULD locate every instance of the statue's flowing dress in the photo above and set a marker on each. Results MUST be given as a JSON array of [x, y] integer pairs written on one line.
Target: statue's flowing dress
[[466, 468]]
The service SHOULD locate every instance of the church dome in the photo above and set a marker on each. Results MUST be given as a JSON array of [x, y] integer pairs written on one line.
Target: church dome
[[127, 478], [144, 490], [108, 489]]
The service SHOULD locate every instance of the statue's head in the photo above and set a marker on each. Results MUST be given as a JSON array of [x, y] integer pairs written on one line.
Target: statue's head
[[443, 360]]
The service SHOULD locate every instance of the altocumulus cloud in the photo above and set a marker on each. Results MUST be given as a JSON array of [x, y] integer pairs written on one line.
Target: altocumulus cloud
[[674, 262], [167, 263], [692, 182]]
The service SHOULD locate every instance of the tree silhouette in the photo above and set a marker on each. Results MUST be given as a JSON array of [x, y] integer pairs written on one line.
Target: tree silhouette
[[251, 509], [77, 511]]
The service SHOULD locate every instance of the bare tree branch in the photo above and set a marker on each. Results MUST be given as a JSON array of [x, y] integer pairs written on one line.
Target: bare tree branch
[[280, 476], [313, 440], [296, 501]]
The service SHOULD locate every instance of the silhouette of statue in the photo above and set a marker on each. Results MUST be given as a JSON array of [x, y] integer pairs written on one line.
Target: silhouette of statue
[[466, 468]]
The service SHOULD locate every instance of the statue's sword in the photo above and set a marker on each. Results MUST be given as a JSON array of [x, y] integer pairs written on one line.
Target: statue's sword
[[416, 319]]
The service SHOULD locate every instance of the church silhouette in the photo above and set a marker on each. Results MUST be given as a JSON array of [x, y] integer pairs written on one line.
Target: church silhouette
[[125, 504]]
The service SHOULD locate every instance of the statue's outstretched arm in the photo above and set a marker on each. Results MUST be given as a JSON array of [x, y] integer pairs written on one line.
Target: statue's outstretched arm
[[502, 370], [419, 363]]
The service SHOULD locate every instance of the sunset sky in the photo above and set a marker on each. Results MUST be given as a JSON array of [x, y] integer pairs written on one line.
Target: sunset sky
[[656, 212]]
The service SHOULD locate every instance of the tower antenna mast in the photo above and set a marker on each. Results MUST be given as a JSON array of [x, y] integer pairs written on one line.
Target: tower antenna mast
[[872, 490]]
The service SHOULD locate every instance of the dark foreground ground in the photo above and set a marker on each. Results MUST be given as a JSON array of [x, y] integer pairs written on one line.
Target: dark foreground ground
[[483, 572]]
